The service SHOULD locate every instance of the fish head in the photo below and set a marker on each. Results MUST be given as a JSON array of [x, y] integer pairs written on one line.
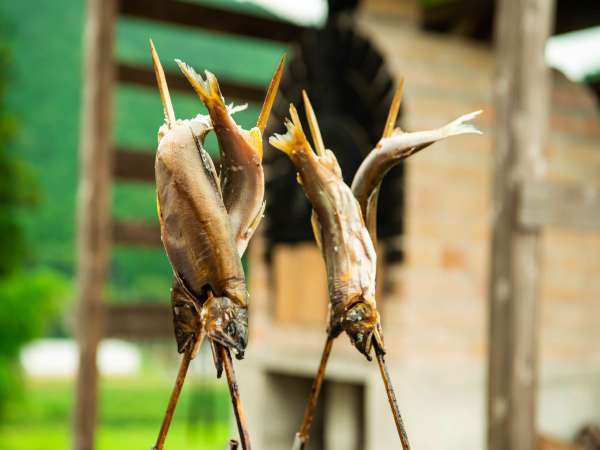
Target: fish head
[[361, 324], [226, 322]]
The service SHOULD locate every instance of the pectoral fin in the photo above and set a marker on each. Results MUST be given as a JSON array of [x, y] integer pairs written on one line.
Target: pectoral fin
[[371, 213], [242, 243], [316, 227], [186, 317], [256, 221], [208, 165]]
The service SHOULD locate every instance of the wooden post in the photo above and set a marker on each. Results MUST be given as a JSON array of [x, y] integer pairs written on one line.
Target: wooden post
[[93, 210], [521, 100]]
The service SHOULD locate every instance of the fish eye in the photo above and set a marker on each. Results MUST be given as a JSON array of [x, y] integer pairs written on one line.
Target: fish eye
[[231, 329]]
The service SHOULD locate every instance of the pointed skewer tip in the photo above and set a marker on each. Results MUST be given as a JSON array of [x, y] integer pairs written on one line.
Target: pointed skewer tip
[[163, 88], [392, 117], [265, 112], [315, 131]]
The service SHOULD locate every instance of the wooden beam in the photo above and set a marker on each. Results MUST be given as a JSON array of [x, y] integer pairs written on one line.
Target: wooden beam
[[144, 76], [214, 19], [140, 320], [93, 211], [133, 165], [136, 234], [521, 100], [543, 203]]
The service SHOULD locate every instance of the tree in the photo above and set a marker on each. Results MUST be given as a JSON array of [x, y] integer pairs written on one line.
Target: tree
[[28, 299]]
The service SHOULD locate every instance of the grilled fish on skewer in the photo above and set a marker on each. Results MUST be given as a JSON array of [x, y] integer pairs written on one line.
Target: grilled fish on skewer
[[197, 236], [349, 255], [391, 151], [242, 176], [346, 246], [209, 295]]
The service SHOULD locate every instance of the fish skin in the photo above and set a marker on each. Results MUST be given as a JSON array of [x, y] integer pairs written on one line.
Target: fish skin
[[242, 176], [197, 237], [347, 249], [392, 150]]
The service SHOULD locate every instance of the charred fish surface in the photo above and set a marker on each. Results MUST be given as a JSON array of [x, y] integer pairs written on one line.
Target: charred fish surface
[[342, 236], [197, 237], [391, 151], [242, 176]]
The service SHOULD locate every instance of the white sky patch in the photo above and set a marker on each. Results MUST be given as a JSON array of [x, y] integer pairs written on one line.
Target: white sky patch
[[576, 54], [302, 12]]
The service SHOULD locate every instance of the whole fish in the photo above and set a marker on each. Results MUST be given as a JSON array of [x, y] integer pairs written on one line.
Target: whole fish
[[241, 176], [342, 236], [196, 234]]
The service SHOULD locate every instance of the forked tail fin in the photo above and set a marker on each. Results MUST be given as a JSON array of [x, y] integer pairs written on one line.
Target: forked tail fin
[[461, 125], [208, 90], [404, 145], [294, 140]]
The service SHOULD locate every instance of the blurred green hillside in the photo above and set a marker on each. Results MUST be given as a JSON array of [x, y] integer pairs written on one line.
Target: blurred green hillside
[[45, 96]]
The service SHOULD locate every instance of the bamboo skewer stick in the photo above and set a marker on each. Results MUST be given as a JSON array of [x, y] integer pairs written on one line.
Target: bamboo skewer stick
[[265, 111], [390, 124], [181, 375], [161, 80], [392, 116], [236, 401], [315, 131], [302, 436], [389, 389]]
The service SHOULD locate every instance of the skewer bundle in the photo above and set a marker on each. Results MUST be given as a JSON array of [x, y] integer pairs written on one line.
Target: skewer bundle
[[207, 219]]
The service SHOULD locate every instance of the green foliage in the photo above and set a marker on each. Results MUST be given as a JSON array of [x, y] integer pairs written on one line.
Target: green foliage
[[593, 77], [27, 302], [27, 299]]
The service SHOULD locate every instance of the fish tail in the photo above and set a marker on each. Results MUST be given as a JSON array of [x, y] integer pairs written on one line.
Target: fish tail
[[294, 141], [208, 90], [461, 125]]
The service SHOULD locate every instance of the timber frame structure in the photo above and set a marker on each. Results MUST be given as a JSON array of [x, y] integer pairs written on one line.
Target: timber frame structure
[[103, 162], [523, 201]]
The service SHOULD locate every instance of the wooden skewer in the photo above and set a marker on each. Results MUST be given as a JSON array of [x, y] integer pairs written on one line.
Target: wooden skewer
[[181, 375], [302, 436], [315, 131], [389, 389], [265, 112], [390, 123], [236, 401], [392, 117], [165, 97]]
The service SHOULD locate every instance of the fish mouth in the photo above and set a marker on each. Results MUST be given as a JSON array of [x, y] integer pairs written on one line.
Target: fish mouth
[[226, 323], [225, 340], [361, 324], [363, 342]]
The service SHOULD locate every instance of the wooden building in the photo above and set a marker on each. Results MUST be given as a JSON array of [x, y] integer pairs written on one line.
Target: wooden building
[[434, 301]]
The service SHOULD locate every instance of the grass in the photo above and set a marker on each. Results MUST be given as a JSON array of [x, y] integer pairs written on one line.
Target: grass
[[129, 417]]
